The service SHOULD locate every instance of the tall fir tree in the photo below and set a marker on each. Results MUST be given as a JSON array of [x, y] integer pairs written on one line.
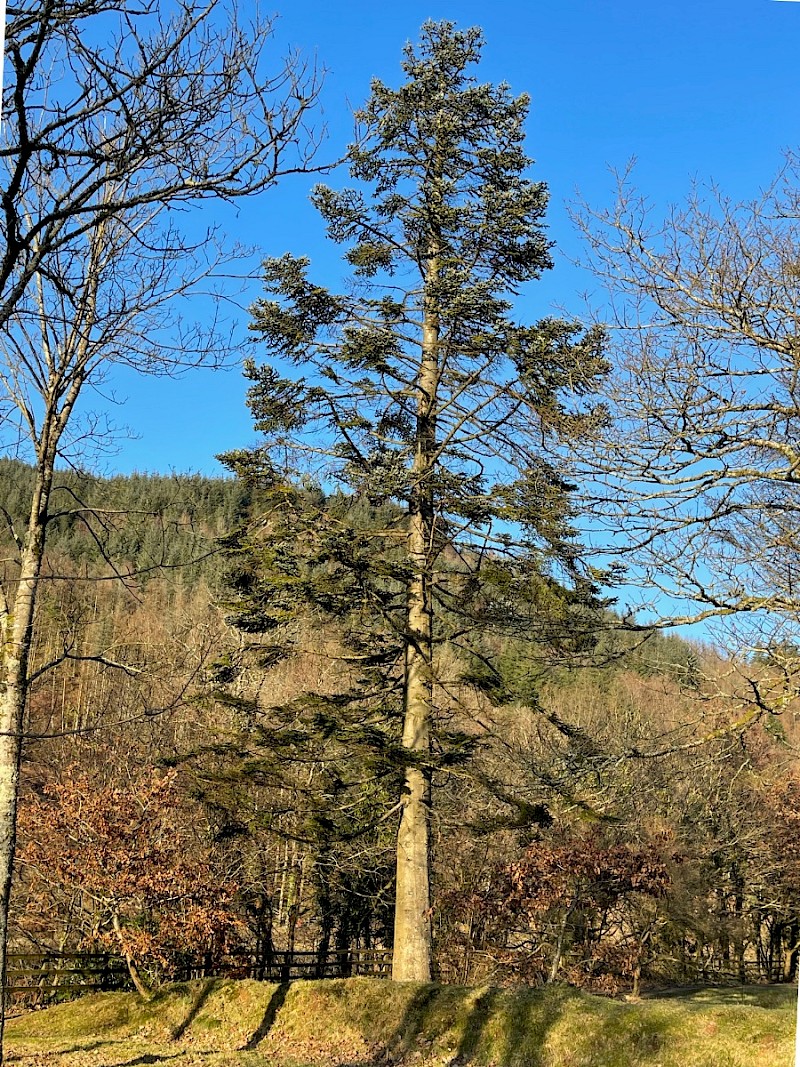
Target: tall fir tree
[[416, 397]]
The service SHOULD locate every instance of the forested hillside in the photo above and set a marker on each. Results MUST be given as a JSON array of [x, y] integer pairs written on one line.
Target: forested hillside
[[408, 685], [142, 524], [603, 819]]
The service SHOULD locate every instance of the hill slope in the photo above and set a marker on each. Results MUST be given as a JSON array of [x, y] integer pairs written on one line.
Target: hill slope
[[360, 1022]]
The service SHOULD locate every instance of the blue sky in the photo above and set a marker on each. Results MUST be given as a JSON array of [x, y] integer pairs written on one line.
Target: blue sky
[[707, 89]]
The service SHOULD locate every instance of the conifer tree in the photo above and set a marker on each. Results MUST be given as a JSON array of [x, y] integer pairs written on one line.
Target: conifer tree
[[415, 394]]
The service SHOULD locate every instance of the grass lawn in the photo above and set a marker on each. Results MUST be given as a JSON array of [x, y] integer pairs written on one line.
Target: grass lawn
[[364, 1022]]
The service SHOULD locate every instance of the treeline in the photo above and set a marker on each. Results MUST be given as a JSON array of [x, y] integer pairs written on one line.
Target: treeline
[[616, 819], [146, 524]]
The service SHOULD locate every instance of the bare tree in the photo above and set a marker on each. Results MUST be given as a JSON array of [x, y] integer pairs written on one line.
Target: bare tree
[[121, 105], [699, 471], [115, 116]]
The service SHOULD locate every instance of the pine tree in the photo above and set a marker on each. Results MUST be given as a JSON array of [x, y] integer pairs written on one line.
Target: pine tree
[[415, 394]]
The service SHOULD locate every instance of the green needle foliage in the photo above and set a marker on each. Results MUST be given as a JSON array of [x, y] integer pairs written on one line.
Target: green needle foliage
[[414, 436]]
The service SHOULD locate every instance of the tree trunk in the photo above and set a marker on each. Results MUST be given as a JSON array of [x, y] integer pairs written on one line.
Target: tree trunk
[[293, 915], [790, 954], [265, 948], [412, 922], [133, 970], [17, 635], [343, 944], [11, 718], [326, 912], [558, 951]]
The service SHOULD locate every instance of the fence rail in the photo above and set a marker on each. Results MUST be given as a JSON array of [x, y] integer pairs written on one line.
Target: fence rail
[[35, 978], [38, 977], [280, 966]]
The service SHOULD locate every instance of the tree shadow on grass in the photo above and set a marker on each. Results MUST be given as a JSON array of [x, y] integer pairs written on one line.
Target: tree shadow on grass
[[146, 1058], [526, 1024], [412, 1023], [275, 1004], [476, 1023], [88, 1046], [110, 1045], [14, 1052], [203, 993]]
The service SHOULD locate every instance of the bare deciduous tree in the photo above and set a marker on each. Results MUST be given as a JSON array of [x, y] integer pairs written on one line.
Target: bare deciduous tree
[[119, 105], [115, 116], [700, 468]]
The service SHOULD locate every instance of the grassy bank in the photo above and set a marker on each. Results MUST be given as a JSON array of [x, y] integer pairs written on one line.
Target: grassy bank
[[363, 1022]]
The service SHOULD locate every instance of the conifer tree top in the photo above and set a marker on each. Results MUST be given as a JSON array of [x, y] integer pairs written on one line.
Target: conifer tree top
[[419, 354], [444, 158]]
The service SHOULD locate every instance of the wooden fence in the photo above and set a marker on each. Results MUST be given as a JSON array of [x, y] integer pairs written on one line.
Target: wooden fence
[[40, 977], [290, 966], [35, 978]]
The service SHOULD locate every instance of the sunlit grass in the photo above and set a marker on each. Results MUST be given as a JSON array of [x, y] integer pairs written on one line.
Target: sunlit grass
[[365, 1022]]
